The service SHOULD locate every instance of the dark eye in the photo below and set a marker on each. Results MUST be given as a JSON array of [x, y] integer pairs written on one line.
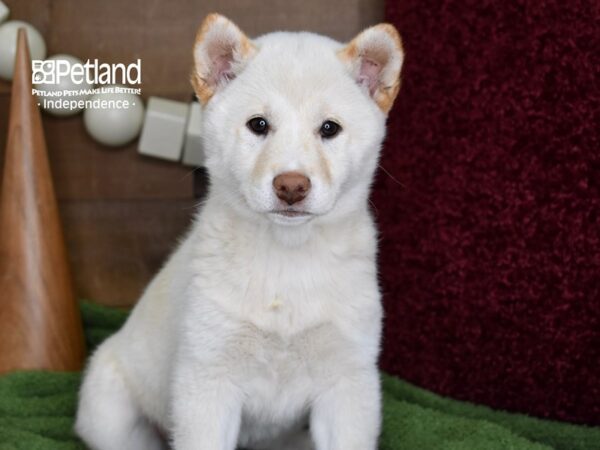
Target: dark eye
[[258, 125], [329, 129]]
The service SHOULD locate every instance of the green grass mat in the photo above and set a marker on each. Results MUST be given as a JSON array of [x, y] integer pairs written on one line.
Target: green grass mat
[[37, 410]]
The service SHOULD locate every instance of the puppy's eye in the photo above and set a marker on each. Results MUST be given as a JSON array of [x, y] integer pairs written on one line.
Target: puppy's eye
[[329, 129], [258, 125]]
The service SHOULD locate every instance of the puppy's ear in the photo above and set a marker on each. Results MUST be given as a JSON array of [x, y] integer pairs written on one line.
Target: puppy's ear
[[221, 51], [374, 58]]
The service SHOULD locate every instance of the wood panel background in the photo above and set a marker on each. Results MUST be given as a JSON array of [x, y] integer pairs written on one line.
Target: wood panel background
[[123, 212]]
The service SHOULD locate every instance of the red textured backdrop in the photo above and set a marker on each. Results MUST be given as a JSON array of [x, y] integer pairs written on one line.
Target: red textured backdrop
[[490, 251]]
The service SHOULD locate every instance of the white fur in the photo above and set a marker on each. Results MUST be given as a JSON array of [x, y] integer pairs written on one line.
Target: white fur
[[260, 325]]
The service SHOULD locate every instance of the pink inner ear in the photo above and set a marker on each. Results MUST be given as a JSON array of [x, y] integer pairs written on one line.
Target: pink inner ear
[[221, 69], [369, 74]]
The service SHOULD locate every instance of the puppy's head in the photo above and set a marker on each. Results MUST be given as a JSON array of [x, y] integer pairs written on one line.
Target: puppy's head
[[293, 122]]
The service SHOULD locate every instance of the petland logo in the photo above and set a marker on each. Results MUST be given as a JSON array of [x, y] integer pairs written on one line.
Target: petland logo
[[90, 72], [65, 85]]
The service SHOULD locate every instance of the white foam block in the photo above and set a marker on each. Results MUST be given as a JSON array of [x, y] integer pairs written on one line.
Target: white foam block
[[193, 154], [4, 12], [164, 129]]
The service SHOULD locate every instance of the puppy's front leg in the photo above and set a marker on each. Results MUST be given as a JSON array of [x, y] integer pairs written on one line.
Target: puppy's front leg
[[348, 415], [206, 413]]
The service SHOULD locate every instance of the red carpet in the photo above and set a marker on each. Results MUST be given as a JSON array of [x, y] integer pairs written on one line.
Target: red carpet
[[490, 252]]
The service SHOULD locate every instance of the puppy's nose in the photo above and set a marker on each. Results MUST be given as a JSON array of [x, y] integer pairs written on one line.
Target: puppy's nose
[[291, 187]]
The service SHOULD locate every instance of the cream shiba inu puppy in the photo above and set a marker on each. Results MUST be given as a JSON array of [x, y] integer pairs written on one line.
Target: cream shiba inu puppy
[[262, 330]]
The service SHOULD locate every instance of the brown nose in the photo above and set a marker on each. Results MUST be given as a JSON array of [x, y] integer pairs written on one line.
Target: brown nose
[[291, 187]]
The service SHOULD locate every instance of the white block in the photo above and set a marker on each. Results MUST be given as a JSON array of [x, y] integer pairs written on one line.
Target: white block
[[4, 12], [193, 154], [164, 129]]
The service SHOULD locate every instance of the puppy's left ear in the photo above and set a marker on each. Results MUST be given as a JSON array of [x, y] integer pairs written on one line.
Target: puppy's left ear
[[374, 58], [221, 51]]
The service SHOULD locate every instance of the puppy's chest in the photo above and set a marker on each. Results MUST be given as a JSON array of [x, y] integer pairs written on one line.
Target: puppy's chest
[[281, 375], [287, 294]]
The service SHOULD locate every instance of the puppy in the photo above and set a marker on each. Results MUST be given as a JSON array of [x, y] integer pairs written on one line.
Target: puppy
[[262, 331]]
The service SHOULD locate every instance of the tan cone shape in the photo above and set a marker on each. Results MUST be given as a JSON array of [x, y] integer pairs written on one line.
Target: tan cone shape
[[40, 324]]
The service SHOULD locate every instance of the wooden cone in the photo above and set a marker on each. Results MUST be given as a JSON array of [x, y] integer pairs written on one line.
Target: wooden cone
[[40, 324]]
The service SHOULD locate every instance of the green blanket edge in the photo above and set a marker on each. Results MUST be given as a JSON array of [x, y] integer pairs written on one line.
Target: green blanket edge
[[37, 410]]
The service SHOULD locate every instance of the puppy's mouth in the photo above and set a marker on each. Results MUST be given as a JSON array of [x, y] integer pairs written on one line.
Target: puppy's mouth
[[289, 216], [291, 213]]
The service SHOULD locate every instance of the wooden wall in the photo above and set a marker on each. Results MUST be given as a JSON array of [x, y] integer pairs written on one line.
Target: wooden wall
[[122, 212]]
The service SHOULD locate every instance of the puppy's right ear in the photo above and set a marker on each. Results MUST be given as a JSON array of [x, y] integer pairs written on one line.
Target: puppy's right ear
[[221, 51]]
